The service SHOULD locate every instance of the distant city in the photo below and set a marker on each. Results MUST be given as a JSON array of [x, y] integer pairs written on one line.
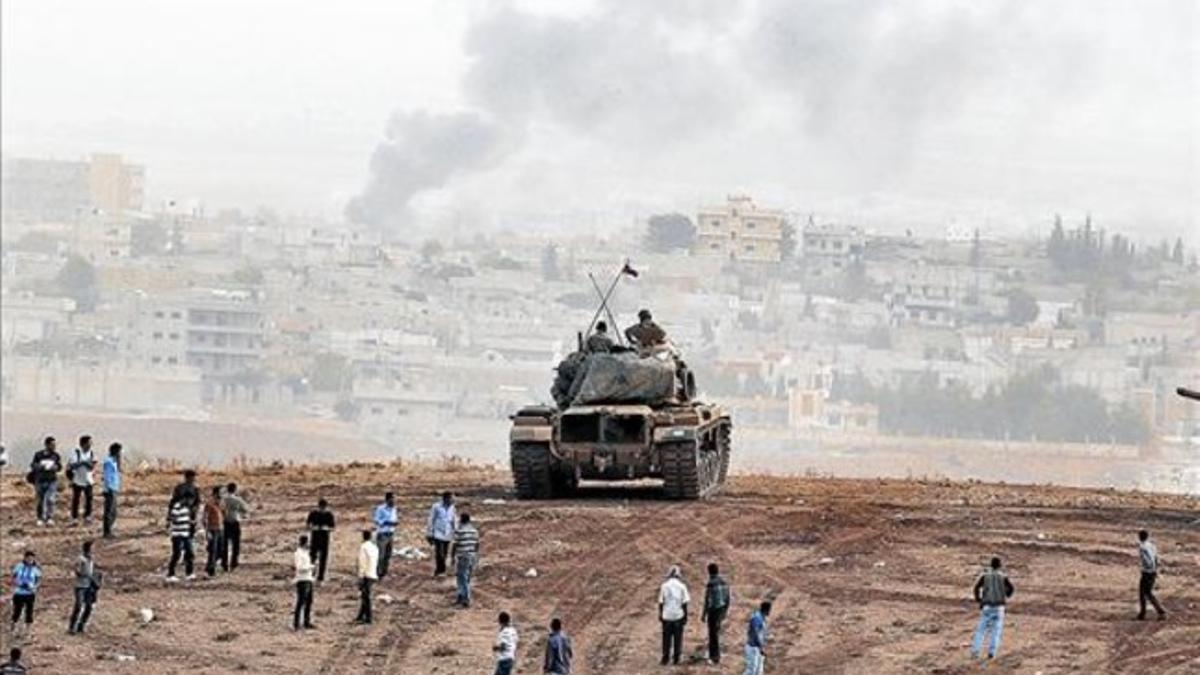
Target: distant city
[[837, 349]]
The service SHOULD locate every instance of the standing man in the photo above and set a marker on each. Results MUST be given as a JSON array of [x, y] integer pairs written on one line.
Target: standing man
[[505, 648], [181, 526], [466, 554], [43, 473], [233, 508], [214, 527], [304, 585], [80, 469], [112, 487], [756, 639], [368, 574], [440, 531], [386, 518], [716, 606], [558, 651], [672, 612], [26, 577], [992, 592], [1148, 558], [187, 493], [87, 583], [320, 524]]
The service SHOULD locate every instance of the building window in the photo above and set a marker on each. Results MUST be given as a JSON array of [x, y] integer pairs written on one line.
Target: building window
[[175, 315], [837, 245], [749, 248], [174, 336], [714, 246], [172, 360], [158, 315], [750, 225], [157, 335], [156, 359], [376, 410], [716, 223]]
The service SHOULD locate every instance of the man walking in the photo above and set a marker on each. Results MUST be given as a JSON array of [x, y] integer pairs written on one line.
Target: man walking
[[466, 554], [386, 518], [26, 577], [1148, 559], [672, 612], [214, 528], [756, 640], [440, 531], [304, 585], [43, 472], [716, 607], [87, 583], [112, 487], [368, 574], [233, 509], [505, 648], [992, 592], [320, 524], [558, 651], [80, 469], [181, 525]]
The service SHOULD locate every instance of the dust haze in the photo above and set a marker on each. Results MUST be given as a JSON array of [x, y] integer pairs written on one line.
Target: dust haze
[[906, 239]]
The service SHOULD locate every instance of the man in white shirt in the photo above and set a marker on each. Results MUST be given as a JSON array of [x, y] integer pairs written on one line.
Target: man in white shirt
[[368, 568], [304, 585], [672, 612], [440, 531], [506, 646], [80, 467]]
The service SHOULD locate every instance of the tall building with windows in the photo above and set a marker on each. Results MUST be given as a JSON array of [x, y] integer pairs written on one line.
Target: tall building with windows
[[50, 190], [740, 231]]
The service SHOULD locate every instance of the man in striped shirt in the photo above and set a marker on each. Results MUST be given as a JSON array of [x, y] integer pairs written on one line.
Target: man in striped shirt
[[181, 526], [466, 553]]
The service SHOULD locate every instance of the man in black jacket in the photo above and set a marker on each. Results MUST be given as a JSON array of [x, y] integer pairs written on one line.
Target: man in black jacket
[[992, 592], [43, 473], [716, 607]]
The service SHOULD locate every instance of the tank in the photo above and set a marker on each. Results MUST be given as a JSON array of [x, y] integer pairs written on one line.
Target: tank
[[620, 418]]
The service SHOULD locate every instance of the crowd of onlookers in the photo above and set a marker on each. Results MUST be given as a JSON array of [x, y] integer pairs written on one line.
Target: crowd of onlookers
[[452, 536]]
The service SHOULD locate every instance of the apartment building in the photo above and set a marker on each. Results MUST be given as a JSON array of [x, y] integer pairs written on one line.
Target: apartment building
[[740, 231]]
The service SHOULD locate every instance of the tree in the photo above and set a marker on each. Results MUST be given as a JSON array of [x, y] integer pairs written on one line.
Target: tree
[[977, 249], [1022, 307], [667, 232], [431, 249], [77, 280], [550, 269], [787, 240]]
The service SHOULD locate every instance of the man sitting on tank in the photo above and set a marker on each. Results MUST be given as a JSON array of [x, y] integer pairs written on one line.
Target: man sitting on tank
[[645, 334], [599, 342]]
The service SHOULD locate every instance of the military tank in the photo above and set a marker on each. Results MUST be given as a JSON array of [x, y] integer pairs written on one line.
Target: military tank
[[624, 414]]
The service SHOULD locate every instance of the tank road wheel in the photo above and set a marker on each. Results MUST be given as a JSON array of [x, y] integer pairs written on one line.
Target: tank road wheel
[[688, 471], [532, 475]]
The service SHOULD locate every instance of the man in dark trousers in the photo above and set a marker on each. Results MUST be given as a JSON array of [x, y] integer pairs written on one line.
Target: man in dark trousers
[[43, 473], [234, 508], [214, 528], [673, 613], [320, 524], [368, 574], [87, 583], [111, 480], [304, 585], [1148, 561], [716, 607], [439, 531], [992, 592], [81, 475]]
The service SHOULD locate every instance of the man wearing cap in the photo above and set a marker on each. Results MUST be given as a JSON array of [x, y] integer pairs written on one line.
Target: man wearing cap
[[672, 612]]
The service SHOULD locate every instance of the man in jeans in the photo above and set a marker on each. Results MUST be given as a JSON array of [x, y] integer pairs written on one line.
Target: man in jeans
[[505, 648], [304, 585], [386, 518], [368, 574], [466, 555], [1148, 558], [80, 469], [44, 470], [233, 509], [86, 585], [992, 592], [181, 526], [112, 487], [756, 640], [558, 651], [439, 532], [214, 528], [716, 607], [672, 612]]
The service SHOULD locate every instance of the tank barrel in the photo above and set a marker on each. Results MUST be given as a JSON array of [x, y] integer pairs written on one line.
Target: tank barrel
[[1188, 393]]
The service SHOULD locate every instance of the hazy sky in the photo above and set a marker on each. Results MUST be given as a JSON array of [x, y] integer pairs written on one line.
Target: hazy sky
[[917, 112]]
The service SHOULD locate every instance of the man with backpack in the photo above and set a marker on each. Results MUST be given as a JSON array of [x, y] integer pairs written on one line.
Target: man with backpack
[[87, 584], [80, 470]]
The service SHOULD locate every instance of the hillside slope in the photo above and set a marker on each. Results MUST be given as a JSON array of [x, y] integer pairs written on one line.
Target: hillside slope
[[867, 576]]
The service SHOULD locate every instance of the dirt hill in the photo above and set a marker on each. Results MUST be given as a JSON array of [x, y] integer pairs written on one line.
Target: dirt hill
[[867, 577]]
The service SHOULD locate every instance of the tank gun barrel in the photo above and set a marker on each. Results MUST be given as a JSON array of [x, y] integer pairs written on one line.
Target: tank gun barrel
[[1188, 393]]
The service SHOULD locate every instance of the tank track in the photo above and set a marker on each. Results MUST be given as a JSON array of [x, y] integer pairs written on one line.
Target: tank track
[[692, 473], [532, 474]]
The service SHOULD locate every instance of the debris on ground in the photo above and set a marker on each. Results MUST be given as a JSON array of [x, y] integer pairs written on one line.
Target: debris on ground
[[531, 573], [411, 553]]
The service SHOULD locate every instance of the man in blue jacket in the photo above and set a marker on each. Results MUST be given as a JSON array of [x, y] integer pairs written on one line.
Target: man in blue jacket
[[756, 639], [26, 578], [112, 487]]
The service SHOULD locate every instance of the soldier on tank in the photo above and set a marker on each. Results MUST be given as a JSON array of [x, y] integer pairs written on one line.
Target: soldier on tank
[[599, 341], [645, 334]]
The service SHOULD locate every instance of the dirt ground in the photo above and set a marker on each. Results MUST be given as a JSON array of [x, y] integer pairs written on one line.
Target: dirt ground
[[867, 576]]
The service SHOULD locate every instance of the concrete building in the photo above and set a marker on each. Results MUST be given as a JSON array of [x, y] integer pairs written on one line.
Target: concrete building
[[219, 332], [25, 317], [828, 250], [54, 190], [740, 231]]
